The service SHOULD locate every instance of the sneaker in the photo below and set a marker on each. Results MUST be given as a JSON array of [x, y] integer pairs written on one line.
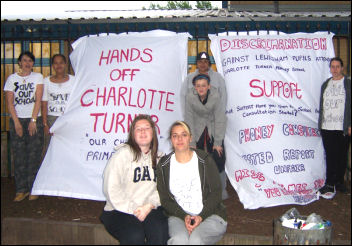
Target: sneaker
[[327, 191], [33, 197], [20, 196], [341, 188]]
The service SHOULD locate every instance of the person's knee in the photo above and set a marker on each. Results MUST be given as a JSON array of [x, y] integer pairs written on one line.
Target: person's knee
[[180, 239], [132, 239], [160, 237], [196, 239]]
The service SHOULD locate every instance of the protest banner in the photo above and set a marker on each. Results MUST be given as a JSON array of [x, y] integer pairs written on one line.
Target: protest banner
[[275, 154], [117, 77]]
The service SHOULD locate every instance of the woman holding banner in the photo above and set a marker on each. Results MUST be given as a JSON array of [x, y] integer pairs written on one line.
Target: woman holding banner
[[57, 89], [205, 114], [23, 92], [132, 213], [335, 125], [190, 191]]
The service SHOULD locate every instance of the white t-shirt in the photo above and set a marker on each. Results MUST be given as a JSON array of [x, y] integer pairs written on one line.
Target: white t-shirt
[[185, 184], [57, 95], [334, 105], [24, 89]]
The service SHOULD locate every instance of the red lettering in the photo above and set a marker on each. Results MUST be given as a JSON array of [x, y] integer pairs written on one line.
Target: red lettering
[[254, 86], [156, 120], [151, 101], [96, 120], [124, 53], [121, 94], [161, 98], [169, 102], [111, 124], [258, 133], [112, 95], [129, 99], [101, 96], [275, 88], [84, 104], [119, 122], [148, 54], [238, 175], [104, 58], [132, 73], [139, 96], [115, 54], [275, 192], [224, 44], [114, 78], [123, 73], [133, 50]]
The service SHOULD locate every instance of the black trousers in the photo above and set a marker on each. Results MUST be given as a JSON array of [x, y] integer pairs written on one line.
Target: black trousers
[[336, 150], [206, 143], [130, 231]]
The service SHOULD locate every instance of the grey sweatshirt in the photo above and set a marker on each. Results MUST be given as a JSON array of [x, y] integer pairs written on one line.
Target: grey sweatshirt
[[129, 184], [211, 115]]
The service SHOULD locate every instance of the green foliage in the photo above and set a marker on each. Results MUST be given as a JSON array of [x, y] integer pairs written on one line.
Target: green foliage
[[180, 5], [204, 5]]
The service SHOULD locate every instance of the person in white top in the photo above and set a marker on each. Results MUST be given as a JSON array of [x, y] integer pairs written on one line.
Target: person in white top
[[335, 126], [23, 92], [57, 89], [189, 187], [132, 213]]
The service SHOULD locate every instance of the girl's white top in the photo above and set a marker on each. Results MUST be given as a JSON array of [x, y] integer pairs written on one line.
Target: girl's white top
[[57, 95]]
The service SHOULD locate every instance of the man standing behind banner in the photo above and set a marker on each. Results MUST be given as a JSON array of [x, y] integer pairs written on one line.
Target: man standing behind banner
[[203, 67], [335, 125]]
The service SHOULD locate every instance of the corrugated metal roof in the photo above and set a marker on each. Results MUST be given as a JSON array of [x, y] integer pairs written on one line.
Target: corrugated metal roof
[[168, 14], [199, 23]]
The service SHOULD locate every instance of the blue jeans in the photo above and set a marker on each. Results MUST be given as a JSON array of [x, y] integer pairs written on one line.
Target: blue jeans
[[129, 230]]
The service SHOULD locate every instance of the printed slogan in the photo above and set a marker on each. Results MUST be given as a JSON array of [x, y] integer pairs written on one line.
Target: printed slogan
[[117, 78], [274, 150]]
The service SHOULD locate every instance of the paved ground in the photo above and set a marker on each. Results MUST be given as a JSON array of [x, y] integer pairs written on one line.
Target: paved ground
[[240, 221]]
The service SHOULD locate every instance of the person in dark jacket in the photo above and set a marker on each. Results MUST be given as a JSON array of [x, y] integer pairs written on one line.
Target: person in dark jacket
[[335, 126], [190, 191]]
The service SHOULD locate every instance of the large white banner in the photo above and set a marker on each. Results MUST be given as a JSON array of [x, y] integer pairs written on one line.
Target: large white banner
[[274, 149], [117, 78]]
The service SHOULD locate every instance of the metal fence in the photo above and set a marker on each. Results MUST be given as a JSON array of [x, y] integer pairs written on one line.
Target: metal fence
[[46, 40]]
